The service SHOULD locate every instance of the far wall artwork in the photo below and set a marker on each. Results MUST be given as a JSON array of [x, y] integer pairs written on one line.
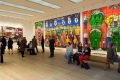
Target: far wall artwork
[[102, 26], [64, 29], [11, 32]]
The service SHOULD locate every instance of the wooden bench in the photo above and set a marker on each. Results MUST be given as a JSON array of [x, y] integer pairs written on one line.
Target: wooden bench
[[99, 59]]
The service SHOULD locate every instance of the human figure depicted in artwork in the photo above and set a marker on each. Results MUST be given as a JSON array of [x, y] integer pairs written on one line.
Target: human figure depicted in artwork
[[16, 34], [55, 22], [46, 24], [63, 20], [75, 41], [76, 18], [69, 19], [115, 20], [85, 37], [96, 20], [85, 21], [108, 37]]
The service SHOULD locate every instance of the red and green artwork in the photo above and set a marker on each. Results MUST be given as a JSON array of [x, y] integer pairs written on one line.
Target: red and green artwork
[[102, 26], [39, 31]]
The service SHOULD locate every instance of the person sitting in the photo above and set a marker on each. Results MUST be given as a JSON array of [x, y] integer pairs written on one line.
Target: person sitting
[[85, 55], [69, 52], [112, 55], [78, 53], [30, 48]]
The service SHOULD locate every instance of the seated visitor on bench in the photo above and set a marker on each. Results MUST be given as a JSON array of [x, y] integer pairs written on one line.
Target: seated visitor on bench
[[69, 52], [78, 53], [30, 48], [85, 55], [112, 55]]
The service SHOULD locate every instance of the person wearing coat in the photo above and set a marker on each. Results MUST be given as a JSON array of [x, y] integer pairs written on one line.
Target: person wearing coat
[[42, 44], [10, 45], [51, 46], [23, 46], [112, 55], [3, 47], [34, 42]]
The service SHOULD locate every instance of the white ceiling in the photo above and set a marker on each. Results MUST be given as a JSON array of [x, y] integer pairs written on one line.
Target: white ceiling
[[65, 5]]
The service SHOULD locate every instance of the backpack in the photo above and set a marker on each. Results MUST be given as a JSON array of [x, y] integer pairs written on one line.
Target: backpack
[[86, 66]]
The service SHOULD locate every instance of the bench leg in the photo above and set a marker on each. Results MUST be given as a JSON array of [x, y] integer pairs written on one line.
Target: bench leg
[[108, 65], [105, 67]]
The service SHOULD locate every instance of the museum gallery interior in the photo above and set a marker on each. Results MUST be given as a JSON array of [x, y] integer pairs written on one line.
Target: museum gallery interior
[[92, 22]]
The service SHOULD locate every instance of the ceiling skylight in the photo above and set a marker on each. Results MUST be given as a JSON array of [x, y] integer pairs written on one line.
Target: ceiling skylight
[[21, 7], [46, 4], [11, 16], [1, 10], [76, 1]]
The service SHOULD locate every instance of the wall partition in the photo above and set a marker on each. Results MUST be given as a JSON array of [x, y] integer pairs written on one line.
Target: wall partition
[[64, 29], [102, 26]]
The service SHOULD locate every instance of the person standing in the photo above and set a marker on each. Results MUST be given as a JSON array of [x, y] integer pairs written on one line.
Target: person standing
[[51, 45], [112, 55], [42, 44], [34, 42], [10, 45], [23, 46], [3, 47]]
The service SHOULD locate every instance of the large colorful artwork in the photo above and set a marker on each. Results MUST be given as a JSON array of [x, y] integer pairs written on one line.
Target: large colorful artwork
[[39, 31], [102, 26], [11, 32], [64, 29]]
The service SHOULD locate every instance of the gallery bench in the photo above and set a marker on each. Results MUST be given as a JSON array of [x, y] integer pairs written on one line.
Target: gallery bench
[[99, 59]]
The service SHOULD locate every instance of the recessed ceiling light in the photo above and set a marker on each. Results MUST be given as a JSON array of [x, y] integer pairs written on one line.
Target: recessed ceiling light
[[46, 4], [21, 7], [15, 12], [11, 16], [76, 1]]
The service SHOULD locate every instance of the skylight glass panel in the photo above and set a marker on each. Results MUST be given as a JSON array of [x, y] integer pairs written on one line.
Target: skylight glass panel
[[15, 12], [76, 1], [46, 4], [12, 16], [21, 7]]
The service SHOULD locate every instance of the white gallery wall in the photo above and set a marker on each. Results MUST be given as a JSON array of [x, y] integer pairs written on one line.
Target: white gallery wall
[[28, 29]]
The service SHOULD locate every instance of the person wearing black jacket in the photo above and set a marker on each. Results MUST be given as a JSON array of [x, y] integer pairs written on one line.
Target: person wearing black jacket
[[42, 44], [51, 45], [85, 55], [3, 47], [78, 53], [10, 45]]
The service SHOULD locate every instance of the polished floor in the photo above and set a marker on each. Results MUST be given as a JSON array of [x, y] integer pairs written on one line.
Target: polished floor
[[40, 67]]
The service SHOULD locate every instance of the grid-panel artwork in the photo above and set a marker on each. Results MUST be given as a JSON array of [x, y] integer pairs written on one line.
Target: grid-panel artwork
[[64, 29], [39, 31], [102, 26]]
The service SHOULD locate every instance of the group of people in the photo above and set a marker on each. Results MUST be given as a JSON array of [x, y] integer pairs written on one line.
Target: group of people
[[84, 54], [22, 44], [80, 54]]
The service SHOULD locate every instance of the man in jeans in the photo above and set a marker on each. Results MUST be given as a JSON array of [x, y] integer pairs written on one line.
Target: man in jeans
[[112, 55], [69, 52]]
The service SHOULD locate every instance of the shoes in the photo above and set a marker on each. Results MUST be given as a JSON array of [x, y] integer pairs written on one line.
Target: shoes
[[23, 56], [9, 53], [118, 70], [12, 53], [82, 66], [78, 64], [50, 56]]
